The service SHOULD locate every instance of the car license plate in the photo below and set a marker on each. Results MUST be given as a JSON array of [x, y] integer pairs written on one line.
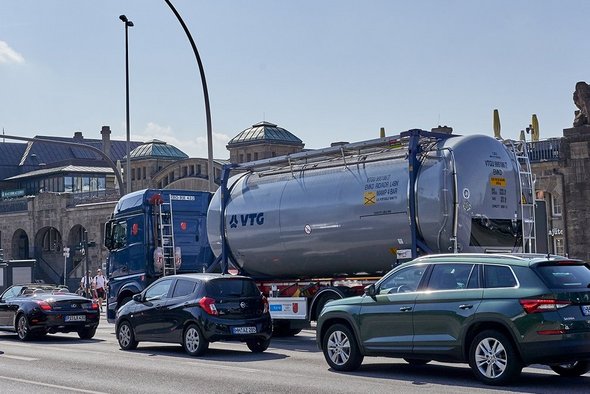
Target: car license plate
[[586, 310], [243, 330], [71, 318]]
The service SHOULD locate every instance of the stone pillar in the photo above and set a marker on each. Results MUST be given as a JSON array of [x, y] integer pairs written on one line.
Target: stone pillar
[[106, 140], [575, 164]]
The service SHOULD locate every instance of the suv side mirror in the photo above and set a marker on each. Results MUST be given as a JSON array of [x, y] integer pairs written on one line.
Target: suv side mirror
[[370, 290]]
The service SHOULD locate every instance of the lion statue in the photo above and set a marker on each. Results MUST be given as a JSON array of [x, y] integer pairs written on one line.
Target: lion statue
[[582, 101]]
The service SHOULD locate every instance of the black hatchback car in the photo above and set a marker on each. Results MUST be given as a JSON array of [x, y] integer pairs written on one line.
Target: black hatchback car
[[499, 313], [194, 310], [33, 310]]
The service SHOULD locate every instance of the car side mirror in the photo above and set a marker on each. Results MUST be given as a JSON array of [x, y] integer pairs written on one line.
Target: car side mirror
[[137, 297], [370, 290]]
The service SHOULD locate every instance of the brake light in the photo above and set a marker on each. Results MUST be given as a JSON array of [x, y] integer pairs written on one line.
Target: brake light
[[94, 306], [542, 305], [44, 305], [208, 305], [264, 305]]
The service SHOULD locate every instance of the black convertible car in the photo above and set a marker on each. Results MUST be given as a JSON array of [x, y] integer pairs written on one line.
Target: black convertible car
[[33, 310]]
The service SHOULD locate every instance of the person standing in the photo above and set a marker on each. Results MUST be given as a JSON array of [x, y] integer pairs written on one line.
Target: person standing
[[100, 283]]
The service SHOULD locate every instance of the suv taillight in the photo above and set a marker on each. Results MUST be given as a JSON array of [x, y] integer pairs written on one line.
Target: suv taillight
[[208, 305], [264, 305], [542, 305]]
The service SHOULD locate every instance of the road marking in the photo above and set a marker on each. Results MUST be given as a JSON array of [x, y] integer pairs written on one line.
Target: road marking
[[55, 386], [20, 357]]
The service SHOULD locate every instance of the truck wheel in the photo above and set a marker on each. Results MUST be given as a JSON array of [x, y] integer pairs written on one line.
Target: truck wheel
[[87, 333], [322, 303], [283, 329], [126, 337], [123, 301], [571, 370], [493, 359], [340, 348], [23, 330], [258, 345], [193, 341]]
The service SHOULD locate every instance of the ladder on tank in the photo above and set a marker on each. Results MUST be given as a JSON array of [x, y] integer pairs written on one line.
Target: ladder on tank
[[166, 237], [527, 197]]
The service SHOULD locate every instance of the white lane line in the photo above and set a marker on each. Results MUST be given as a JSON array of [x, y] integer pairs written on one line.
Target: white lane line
[[22, 358], [219, 366], [55, 386]]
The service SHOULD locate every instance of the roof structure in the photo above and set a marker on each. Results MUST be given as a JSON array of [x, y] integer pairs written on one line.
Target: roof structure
[[63, 170], [265, 132], [156, 149]]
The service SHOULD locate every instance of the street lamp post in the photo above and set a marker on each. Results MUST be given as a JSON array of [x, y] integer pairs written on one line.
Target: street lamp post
[[128, 24]]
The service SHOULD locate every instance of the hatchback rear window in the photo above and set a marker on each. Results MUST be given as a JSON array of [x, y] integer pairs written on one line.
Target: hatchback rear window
[[232, 288], [565, 276]]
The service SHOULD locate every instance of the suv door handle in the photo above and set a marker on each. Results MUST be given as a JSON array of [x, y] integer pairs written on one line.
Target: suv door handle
[[465, 306], [405, 308]]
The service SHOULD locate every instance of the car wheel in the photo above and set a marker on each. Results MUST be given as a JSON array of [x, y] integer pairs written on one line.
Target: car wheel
[[572, 370], [341, 349], [416, 361], [87, 333], [258, 345], [493, 359], [193, 341], [23, 330], [126, 337]]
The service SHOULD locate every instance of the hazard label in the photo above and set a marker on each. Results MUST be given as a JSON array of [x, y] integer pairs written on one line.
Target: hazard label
[[498, 181], [370, 198]]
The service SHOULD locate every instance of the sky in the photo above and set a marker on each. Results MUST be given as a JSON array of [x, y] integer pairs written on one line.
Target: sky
[[325, 70]]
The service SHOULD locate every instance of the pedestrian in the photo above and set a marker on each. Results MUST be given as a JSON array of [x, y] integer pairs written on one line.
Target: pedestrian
[[85, 283], [99, 286]]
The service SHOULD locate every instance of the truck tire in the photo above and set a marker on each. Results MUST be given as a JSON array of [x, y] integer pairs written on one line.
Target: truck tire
[[340, 348], [283, 329], [493, 358]]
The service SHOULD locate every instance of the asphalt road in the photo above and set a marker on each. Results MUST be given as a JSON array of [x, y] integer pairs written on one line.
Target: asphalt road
[[63, 363]]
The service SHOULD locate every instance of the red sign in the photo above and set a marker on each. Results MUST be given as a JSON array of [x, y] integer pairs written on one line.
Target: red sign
[[135, 229], [183, 226], [295, 307]]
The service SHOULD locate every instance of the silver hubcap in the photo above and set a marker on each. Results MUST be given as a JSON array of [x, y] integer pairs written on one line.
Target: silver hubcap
[[191, 339], [491, 358], [338, 348], [22, 327], [124, 335]]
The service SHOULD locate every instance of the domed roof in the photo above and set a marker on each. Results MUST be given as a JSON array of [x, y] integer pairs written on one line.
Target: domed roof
[[157, 149], [265, 132]]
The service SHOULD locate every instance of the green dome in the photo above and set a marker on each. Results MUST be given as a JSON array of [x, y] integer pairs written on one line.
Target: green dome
[[156, 149], [265, 132]]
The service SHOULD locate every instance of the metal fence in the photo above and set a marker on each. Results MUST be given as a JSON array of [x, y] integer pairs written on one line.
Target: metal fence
[[547, 150]]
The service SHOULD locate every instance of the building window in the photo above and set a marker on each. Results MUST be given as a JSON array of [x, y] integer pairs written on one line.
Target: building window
[[556, 207], [255, 155], [133, 174], [144, 173], [248, 157], [558, 246]]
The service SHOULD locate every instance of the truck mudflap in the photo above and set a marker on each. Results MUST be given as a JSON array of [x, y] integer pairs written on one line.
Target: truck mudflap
[[282, 308]]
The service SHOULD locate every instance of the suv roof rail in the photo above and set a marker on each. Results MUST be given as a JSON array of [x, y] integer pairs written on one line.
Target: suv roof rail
[[512, 256]]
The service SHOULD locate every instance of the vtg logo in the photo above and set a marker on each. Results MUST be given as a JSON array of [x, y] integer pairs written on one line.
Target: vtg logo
[[247, 219]]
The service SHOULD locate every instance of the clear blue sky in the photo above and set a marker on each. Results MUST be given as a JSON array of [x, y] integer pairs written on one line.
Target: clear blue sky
[[326, 70]]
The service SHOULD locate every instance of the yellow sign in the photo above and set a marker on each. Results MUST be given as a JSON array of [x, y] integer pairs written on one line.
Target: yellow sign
[[497, 181], [370, 198]]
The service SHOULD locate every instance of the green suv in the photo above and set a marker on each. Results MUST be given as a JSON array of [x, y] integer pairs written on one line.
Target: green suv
[[499, 313]]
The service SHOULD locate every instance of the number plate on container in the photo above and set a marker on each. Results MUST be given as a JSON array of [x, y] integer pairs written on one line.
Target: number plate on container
[[586, 310], [75, 318], [243, 330]]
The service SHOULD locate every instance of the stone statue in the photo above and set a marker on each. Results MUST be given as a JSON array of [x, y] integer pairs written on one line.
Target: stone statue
[[582, 101]]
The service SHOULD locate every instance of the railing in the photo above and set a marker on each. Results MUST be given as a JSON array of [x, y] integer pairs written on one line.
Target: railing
[[15, 205], [546, 150], [93, 197]]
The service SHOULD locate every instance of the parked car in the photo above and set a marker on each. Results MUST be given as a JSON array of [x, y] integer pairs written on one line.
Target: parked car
[[194, 310], [499, 313], [34, 310]]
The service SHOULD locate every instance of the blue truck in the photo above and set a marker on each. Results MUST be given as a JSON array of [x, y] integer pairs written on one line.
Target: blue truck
[[153, 233]]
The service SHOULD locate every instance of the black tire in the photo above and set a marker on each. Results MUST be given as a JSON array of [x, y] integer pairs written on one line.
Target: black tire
[[416, 361], [123, 301], [322, 303], [23, 329], [193, 341], [283, 329], [340, 348], [126, 336], [572, 370], [258, 345], [493, 358], [87, 333]]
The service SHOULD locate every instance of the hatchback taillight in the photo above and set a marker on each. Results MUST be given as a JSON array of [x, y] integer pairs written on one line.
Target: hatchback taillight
[[208, 305], [44, 305], [264, 304], [542, 305]]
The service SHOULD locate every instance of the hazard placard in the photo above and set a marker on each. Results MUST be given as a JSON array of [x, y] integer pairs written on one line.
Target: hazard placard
[[370, 198], [498, 181]]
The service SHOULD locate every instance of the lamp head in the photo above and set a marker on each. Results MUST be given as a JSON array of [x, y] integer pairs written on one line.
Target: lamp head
[[123, 18]]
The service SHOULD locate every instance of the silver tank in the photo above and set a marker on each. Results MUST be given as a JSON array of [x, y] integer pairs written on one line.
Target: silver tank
[[352, 218]]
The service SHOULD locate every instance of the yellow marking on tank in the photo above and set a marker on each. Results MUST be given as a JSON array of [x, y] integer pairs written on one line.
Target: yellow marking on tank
[[370, 198]]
